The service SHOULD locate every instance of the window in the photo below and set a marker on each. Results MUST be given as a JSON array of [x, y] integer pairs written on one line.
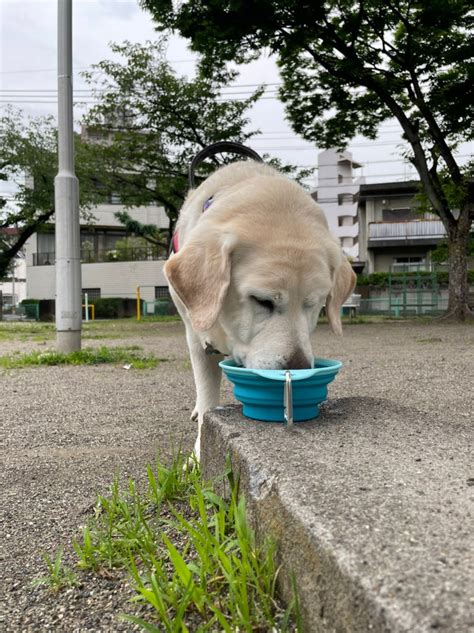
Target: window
[[407, 260], [92, 293], [162, 292], [114, 198], [345, 198], [98, 241], [399, 215], [107, 195], [45, 243], [408, 264]]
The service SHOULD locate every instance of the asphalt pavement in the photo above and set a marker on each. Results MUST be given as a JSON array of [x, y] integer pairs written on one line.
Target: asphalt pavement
[[66, 431]]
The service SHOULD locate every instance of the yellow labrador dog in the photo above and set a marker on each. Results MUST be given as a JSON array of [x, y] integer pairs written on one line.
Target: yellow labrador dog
[[254, 264]]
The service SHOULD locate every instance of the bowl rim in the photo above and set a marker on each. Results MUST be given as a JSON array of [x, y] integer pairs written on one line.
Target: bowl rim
[[326, 366]]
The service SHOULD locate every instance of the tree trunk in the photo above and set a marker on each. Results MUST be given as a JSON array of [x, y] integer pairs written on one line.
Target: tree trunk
[[5, 264], [7, 255], [458, 238]]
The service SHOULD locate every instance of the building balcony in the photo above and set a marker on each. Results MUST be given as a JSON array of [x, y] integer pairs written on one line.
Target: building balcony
[[351, 230], [411, 232], [136, 254]]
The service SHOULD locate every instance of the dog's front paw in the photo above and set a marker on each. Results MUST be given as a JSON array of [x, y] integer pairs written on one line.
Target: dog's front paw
[[193, 460], [197, 448]]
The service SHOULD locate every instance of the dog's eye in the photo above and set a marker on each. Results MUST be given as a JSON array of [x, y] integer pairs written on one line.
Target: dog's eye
[[264, 303]]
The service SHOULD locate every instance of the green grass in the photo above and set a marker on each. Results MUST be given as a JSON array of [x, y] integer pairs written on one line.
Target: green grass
[[101, 329], [58, 575], [116, 355], [25, 331], [190, 555], [161, 318], [434, 339], [365, 319]]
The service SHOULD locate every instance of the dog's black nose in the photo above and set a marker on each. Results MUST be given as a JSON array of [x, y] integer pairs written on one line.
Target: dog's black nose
[[298, 360]]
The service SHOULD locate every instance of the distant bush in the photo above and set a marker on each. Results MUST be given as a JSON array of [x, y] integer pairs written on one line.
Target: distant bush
[[380, 280], [108, 307], [377, 280]]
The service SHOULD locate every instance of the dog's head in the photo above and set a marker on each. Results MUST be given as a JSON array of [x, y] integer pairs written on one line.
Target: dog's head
[[262, 277]]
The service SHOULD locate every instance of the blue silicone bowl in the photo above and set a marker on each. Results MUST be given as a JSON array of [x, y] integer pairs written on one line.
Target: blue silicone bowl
[[262, 391]]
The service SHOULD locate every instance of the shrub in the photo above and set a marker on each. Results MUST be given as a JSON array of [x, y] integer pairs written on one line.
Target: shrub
[[108, 307], [380, 280]]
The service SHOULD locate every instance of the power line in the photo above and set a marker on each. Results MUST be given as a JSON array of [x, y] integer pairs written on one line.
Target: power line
[[93, 91], [341, 185], [33, 92], [302, 148], [51, 70]]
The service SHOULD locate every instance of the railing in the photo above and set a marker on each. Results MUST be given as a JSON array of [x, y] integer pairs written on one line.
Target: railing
[[409, 229], [139, 254]]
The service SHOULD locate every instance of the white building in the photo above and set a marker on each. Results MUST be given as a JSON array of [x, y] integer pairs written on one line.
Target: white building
[[112, 264], [337, 191], [13, 289]]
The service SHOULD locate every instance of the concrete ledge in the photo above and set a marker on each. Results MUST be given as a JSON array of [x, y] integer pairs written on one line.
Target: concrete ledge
[[369, 506]]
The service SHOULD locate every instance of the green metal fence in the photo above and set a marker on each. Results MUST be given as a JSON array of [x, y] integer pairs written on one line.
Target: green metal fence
[[413, 304], [411, 290], [29, 311], [158, 307]]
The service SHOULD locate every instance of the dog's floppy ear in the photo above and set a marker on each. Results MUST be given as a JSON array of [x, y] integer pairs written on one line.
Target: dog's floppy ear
[[344, 283], [200, 276]]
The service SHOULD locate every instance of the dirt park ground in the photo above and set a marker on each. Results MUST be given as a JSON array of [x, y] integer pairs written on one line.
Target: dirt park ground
[[66, 431]]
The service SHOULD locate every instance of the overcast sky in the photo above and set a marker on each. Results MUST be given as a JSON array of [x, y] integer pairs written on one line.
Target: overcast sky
[[28, 72]]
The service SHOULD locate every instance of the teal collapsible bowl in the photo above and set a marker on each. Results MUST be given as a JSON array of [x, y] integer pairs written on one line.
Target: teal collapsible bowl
[[280, 395]]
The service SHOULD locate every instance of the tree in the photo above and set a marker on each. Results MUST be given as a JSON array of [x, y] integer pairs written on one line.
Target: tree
[[148, 232], [137, 143], [348, 65], [149, 123], [139, 139], [28, 156]]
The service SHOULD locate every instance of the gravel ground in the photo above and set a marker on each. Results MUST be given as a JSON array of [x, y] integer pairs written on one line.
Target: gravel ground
[[67, 430]]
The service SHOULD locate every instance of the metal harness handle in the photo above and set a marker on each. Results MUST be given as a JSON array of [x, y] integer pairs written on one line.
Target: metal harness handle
[[288, 399], [217, 148]]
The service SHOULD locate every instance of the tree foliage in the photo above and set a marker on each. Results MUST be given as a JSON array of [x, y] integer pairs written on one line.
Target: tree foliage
[[348, 65], [152, 122], [28, 157], [136, 143]]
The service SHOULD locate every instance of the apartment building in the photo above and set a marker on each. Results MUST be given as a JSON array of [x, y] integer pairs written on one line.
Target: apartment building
[[112, 264], [393, 233], [338, 186]]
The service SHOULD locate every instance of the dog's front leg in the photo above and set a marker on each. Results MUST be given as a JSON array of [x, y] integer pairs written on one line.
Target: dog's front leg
[[207, 378]]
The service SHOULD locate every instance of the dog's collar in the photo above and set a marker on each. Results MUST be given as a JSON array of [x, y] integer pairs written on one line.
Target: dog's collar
[[174, 240]]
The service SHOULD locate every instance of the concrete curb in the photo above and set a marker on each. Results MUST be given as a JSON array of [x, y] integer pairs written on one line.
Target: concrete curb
[[368, 511]]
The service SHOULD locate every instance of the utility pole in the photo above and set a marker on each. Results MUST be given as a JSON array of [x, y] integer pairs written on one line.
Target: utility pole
[[66, 197]]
